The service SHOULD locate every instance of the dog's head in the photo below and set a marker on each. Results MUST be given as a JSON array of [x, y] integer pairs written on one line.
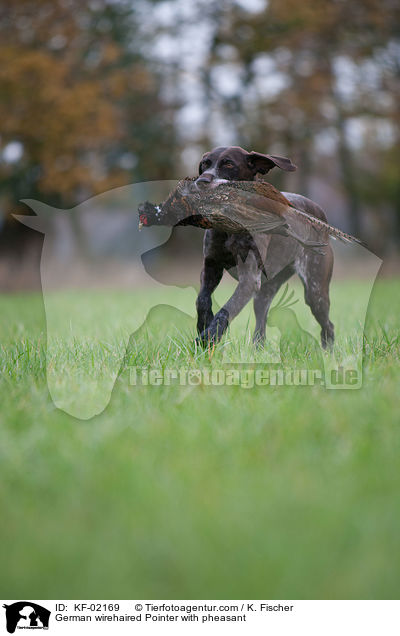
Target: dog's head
[[232, 163]]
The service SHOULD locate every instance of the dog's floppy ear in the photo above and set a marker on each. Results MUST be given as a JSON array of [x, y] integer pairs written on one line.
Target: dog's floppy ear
[[264, 163]]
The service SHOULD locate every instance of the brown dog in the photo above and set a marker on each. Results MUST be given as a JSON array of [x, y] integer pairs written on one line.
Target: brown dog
[[239, 253]]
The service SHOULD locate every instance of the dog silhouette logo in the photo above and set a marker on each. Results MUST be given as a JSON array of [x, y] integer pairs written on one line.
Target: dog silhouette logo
[[26, 615], [77, 336]]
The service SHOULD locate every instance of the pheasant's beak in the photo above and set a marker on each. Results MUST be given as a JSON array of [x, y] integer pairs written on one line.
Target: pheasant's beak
[[142, 221]]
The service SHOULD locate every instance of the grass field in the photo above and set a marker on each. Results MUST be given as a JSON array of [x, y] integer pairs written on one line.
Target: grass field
[[214, 492]]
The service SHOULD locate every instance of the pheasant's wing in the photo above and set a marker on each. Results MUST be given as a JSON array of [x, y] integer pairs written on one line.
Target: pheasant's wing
[[307, 229], [261, 213], [253, 221], [254, 211], [263, 203], [305, 232]]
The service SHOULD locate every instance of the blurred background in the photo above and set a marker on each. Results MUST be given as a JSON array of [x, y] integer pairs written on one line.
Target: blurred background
[[104, 93]]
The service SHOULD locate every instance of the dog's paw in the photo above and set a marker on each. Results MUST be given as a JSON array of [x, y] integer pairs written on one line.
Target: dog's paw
[[259, 340], [204, 339], [214, 332]]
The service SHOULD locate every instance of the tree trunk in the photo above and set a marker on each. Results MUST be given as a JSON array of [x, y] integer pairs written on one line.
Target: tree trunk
[[348, 176]]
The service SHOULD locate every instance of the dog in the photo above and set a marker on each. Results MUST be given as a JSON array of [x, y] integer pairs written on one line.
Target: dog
[[258, 278]]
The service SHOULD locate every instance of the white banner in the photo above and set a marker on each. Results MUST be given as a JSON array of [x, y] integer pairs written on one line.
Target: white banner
[[275, 618]]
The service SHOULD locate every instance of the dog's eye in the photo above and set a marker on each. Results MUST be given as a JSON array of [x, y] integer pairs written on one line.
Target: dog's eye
[[228, 164]]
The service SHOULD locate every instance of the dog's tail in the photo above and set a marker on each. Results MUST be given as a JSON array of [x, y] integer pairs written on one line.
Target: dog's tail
[[332, 231]]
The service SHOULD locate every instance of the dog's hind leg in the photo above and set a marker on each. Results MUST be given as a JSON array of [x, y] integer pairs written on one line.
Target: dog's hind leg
[[316, 276], [263, 300]]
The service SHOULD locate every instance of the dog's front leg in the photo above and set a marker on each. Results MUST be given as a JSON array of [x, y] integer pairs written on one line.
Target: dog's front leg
[[249, 276], [210, 277]]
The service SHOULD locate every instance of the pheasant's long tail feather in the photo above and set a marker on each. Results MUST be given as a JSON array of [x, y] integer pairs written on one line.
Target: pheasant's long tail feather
[[333, 231]]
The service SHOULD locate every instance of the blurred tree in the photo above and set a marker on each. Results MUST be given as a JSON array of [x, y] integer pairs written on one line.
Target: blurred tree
[[80, 110]]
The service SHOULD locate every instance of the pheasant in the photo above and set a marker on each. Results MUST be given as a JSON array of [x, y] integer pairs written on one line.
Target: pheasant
[[237, 207]]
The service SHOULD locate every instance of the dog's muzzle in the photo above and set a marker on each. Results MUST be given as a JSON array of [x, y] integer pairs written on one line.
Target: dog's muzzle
[[208, 180], [204, 179]]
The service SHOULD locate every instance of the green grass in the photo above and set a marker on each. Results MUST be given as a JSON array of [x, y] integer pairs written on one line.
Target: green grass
[[214, 492]]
